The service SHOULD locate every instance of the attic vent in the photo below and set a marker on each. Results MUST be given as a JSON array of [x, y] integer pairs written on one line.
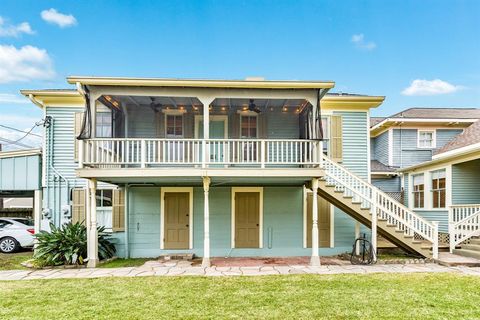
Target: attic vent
[[254, 79]]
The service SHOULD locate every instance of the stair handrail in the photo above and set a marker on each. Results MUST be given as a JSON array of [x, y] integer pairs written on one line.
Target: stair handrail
[[471, 227], [380, 205]]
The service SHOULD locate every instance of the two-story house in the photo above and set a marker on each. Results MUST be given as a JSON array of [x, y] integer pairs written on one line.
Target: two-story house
[[217, 168]]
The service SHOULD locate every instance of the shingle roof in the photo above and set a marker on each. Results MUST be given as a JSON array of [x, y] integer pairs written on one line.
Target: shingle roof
[[439, 113], [470, 135], [377, 166], [375, 120]]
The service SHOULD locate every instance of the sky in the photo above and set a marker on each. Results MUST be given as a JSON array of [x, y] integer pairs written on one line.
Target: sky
[[416, 53]]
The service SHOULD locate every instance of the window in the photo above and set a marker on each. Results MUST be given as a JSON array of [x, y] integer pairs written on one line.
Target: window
[[4, 224], [418, 191], [104, 198], [174, 126], [426, 138], [438, 189], [103, 124], [326, 135], [248, 126]]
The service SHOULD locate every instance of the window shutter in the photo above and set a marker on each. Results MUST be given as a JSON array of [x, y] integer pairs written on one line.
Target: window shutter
[[235, 126], [78, 205], [118, 210], [76, 133], [336, 140]]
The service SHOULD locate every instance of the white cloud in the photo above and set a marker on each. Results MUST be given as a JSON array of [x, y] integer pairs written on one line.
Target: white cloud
[[62, 20], [421, 87], [24, 64], [359, 42], [8, 98], [10, 30], [11, 135]]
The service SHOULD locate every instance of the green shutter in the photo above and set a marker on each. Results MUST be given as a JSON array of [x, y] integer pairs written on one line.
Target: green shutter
[[118, 210], [78, 205]]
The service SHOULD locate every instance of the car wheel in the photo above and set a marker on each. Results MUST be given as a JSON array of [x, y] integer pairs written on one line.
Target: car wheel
[[9, 245]]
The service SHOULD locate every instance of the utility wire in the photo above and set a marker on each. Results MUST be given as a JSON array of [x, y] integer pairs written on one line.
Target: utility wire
[[18, 130], [26, 134], [8, 142]]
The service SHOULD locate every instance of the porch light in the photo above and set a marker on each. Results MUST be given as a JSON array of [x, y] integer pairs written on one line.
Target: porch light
[[285, 109]]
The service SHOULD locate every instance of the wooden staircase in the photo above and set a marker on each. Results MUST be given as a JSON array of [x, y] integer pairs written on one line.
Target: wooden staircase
[[471, 249], [365, 203]]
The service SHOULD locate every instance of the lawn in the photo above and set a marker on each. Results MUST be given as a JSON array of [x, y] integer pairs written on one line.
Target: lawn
[[419, 296], [12, 261]]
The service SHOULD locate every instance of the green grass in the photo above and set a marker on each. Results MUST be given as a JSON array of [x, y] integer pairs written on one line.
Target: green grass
[[384, 296], [12, 261], [119, 263]]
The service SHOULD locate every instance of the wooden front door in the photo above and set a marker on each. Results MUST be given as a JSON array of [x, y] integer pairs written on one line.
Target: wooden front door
[[176, 225], [323, 221], [247, 220]]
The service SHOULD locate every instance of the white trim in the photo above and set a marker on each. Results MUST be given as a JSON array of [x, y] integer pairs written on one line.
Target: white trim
[[224, 118], [458, 151], [260, 229], [434, 138], [173, 113], [305, 215], [164, 190], [424, 191], [390, 147], [420, 120], [448, 186], [248, 114]]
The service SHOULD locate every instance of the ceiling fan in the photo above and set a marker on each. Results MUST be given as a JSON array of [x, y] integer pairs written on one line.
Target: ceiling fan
[[253, 107], [156, 107]]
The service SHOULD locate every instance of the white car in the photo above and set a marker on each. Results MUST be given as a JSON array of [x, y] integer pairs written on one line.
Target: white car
[[15, 233]]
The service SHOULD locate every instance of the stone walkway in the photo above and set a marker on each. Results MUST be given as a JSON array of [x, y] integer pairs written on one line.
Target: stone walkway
[[185, 268]]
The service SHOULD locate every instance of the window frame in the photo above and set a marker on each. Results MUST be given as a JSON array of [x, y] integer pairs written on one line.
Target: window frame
[[174, 114], [438, 189], [99, 133], [418, 193], [249, 128], [434, 138]]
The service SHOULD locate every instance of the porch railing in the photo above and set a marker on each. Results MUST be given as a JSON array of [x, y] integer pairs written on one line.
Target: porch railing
[[463, 223], [130, 152]]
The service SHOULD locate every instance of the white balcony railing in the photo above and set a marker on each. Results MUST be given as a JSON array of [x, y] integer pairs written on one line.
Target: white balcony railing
[[128, 152]]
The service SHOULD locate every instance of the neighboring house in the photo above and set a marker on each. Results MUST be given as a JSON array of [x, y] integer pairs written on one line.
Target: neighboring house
[[411, 137], [217, 168], [447, 188], [17, 203]]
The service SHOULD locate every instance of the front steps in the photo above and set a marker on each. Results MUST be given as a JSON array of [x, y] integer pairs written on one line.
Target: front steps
[[471, 250], [363, 215]]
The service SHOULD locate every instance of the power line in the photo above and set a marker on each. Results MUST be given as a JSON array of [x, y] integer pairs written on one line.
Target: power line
[[8, 141], [18, 130]]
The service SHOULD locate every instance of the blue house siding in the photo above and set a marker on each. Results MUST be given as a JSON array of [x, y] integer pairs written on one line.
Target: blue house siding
[[436, 215], [282, 224], [466, 183], [388, 184], [405, 151], [405, 188], [380, 148]]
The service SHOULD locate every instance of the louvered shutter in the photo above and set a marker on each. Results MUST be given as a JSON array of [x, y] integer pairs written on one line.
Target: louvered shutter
[[77, 129], [78, 205], [118, 210], [336, 140]]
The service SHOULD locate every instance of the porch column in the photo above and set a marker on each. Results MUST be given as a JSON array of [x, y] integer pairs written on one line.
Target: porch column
[[206, 223], [357, 235], [37, 211], [92, 235], [206, 101], [315, 259]]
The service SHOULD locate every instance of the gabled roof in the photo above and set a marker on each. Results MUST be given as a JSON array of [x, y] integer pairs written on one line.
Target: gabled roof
[[470, 135], [460, 117], [375, 120], [378, 167]]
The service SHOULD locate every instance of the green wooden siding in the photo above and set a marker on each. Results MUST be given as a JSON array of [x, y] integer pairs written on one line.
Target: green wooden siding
[[466, 182]]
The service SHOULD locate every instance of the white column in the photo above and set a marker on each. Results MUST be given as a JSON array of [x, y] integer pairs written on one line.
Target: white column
[[435, 240], [357, 235], [206, 101], [92, 235], [206, 223], [37, 210], [373, 209], [315, 259]]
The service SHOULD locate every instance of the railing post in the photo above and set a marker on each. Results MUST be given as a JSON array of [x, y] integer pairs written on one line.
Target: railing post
[[80, 153], [373, 209], [435, 240], [451, 231], [204, 153], [320, 154], [143, 151], [262, 153], [315, 259]]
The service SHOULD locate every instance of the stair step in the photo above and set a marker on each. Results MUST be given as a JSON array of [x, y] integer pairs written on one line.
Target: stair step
[[348, 197], [391, 225], [406, 236], [467, 253], [399, 231], [471, 246], [380, 219], [339, 191], [474, 241]]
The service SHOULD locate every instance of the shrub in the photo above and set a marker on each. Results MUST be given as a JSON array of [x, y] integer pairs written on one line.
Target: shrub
[[67, 245]]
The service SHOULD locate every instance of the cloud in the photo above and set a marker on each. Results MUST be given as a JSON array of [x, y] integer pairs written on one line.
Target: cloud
[[62, 20], [359, 42], [10, 135], [8, 98], [24, 64], [421, 87], [10, 30]]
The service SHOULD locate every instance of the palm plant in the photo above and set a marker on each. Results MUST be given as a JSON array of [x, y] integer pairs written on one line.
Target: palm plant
[[67, 245]]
